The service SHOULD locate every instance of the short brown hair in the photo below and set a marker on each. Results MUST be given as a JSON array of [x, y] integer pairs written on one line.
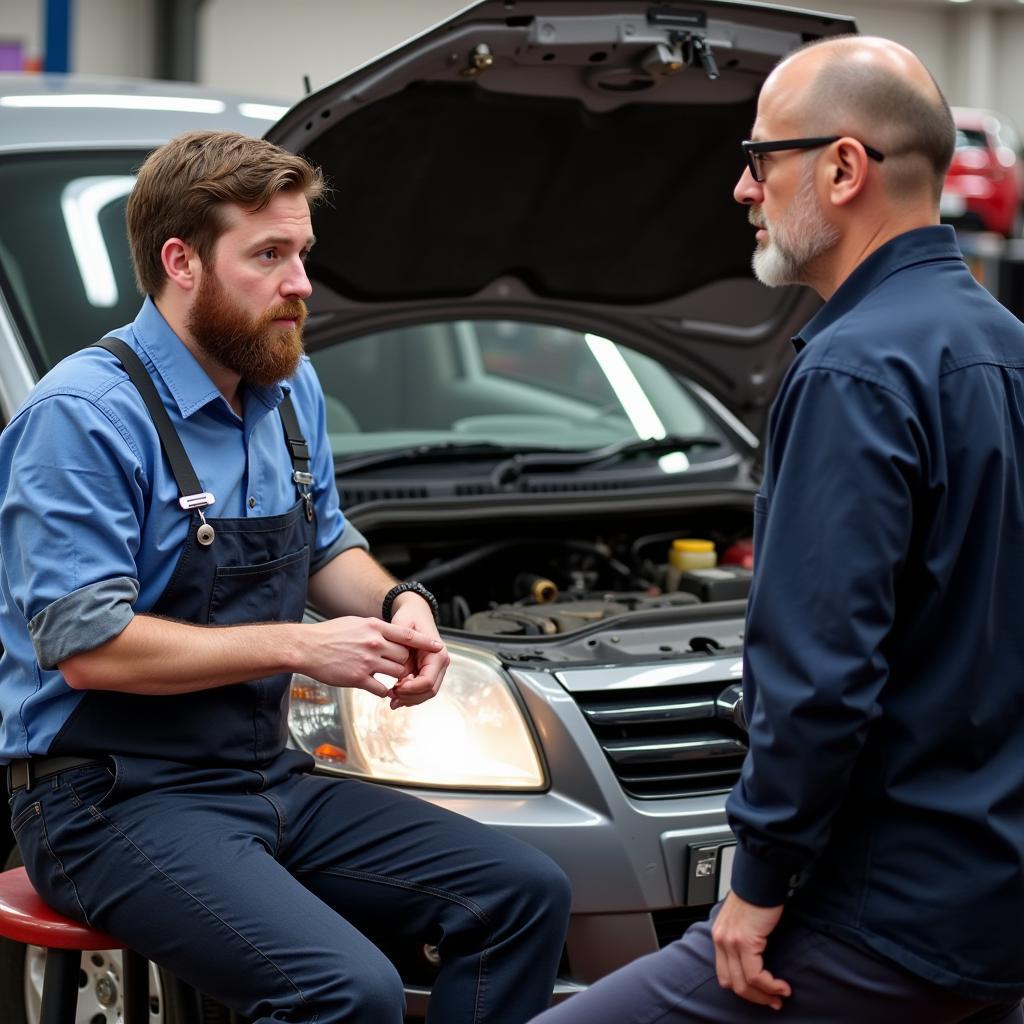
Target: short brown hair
[[183, 186]]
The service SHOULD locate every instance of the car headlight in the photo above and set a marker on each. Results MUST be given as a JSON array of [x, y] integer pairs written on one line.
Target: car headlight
[[472, 735]]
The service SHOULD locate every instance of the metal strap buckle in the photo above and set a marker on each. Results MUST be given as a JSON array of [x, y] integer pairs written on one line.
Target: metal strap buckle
[[200, 500], [299, 448], [302, 478]]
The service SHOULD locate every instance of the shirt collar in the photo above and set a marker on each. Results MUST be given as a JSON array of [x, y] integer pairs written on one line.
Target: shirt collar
[[188, 383], [922, 245]]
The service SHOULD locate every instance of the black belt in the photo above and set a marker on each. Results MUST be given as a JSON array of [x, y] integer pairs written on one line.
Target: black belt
[[23, 774]]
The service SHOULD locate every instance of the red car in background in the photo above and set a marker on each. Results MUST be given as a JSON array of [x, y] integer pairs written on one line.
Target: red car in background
[[984, 187]]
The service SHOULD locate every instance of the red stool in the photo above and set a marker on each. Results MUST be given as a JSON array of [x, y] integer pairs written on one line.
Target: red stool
[[24, 917]]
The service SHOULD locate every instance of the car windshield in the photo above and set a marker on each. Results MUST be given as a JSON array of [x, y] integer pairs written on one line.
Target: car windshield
[[506, 382]]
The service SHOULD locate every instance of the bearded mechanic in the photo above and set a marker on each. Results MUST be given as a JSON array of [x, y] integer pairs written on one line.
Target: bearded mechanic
[[879, 870], [168, 506]]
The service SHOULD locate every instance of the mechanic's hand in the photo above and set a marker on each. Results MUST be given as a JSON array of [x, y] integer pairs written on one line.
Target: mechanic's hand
[[427, 666], [350, 650], [740, 934]]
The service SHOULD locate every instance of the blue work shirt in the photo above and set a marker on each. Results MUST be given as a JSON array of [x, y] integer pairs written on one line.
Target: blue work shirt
[[90, 526], [884, 660]]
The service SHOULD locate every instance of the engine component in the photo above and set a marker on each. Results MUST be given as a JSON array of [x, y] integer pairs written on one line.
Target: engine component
[[547, 620], [723, 583], [539, 588], [567, 615]]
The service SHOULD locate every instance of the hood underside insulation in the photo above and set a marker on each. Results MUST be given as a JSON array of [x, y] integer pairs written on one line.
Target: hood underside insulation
[[441, 189]]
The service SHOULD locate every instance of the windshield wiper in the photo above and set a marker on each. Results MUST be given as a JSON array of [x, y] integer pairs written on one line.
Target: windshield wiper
[[418, 452], [526, 458], [511, 469]]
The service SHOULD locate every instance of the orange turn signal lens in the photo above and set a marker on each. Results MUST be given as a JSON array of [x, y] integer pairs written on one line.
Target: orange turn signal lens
[[329, 752]]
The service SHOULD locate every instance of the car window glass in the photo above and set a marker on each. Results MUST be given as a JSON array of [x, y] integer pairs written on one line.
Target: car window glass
[[63, 251], [968, 138], [498, 381]]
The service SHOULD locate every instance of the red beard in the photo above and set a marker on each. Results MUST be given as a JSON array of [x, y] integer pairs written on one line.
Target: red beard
[[259, 351]]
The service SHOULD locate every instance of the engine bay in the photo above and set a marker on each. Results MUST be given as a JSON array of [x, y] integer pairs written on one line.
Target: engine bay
[[564, 575]]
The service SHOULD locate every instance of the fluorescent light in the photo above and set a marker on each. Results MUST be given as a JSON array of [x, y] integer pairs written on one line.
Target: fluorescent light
[[270, 112], [635, 403], [177, 103], [81, 202]]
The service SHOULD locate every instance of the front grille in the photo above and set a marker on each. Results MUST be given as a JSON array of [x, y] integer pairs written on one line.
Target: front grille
[[670, 741]]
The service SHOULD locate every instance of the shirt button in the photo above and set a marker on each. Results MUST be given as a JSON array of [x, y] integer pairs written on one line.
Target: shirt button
[[252, 503]]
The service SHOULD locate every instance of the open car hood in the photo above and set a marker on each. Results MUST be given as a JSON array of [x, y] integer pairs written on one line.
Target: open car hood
[[570, 162]]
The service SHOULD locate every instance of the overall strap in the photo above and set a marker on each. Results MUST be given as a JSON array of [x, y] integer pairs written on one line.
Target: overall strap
[[298, 450], [192, 494]]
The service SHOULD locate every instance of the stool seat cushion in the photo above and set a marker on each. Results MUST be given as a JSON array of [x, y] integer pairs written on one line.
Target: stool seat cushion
[[24, 917]]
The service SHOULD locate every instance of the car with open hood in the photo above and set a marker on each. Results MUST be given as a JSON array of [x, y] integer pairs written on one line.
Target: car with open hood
[[547, 367]]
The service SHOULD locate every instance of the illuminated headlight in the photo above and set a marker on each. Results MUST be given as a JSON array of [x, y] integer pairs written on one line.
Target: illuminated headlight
[[472, 735]]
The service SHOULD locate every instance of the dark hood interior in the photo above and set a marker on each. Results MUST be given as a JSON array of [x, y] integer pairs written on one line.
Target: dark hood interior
[[442, 188]]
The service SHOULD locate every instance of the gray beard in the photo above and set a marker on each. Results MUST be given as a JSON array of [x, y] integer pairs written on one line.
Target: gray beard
[[795, 241]]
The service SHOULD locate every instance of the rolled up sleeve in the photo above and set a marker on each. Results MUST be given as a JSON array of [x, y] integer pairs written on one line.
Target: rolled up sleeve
[[82, 620], [69, 525]]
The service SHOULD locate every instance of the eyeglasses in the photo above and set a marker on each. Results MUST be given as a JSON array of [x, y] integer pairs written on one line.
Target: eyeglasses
[[753, 150]]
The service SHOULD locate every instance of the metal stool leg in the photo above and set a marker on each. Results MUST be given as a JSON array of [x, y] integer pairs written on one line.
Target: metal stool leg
[[136, 988], [60, 986]]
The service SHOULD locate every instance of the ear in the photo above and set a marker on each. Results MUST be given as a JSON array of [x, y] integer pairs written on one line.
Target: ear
[[181, 263], [847, 169]]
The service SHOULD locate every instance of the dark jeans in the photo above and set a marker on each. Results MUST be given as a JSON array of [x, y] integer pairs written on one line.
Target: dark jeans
[[265, 889], [832, 983]]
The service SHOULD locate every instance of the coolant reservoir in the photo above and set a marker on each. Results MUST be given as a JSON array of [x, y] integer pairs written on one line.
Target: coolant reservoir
[[688, 554]]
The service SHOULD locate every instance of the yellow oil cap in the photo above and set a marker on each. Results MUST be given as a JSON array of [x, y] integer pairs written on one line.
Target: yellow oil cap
[[693, 546]]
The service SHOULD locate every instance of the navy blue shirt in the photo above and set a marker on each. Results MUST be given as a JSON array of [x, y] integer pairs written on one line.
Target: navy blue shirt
[[883, 795], [90, 527]]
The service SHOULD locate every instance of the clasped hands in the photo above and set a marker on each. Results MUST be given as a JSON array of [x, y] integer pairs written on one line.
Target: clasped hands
[[352, 651]]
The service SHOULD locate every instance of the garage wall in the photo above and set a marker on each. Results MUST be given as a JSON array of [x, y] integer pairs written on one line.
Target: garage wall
[[923, 28], [974, 52], [1009, 67], [331, 37], [112, 37], [107, 36], [319, 38], [21, 23], [264, 47]]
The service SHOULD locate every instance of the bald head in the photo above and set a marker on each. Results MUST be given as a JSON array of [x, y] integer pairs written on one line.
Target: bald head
[[878, 92]]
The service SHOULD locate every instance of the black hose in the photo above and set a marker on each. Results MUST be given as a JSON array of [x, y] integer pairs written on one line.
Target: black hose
[[464, 561]]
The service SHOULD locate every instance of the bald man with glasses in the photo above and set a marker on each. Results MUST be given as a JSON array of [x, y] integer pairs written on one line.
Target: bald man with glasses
[[879, 818]]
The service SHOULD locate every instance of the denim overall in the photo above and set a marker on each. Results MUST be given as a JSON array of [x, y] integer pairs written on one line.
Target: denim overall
[[202, 841]]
